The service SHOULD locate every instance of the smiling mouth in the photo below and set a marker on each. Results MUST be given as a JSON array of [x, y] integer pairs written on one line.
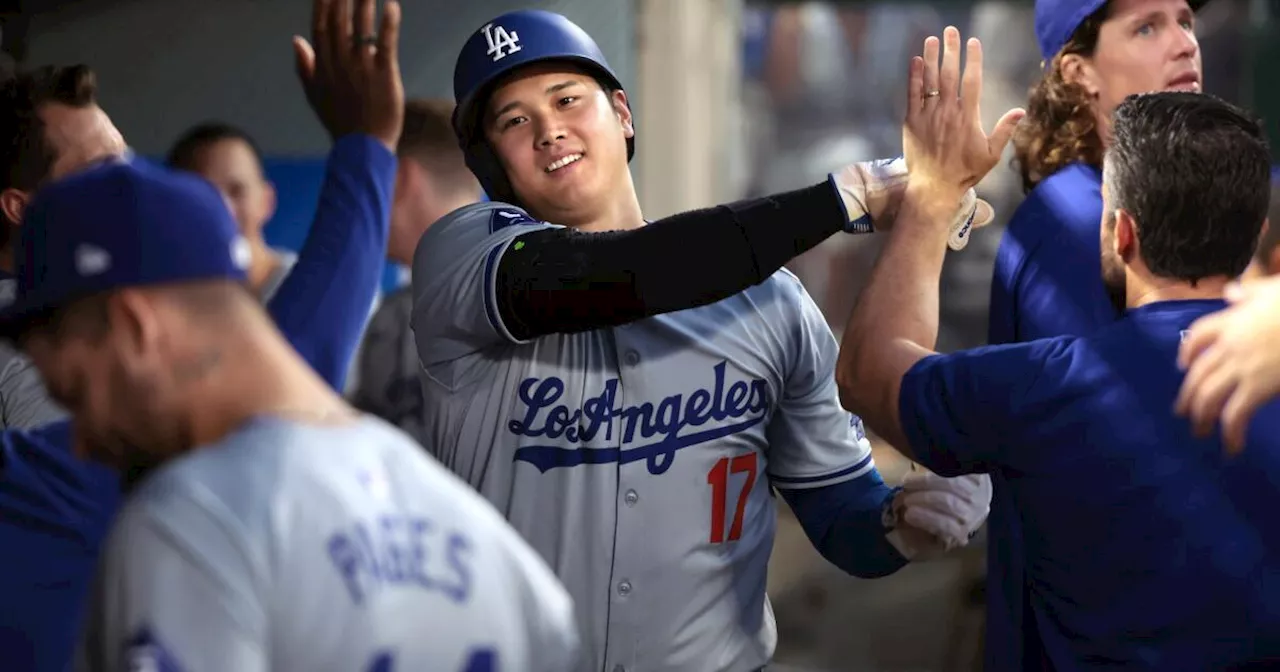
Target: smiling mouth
[[562, 162]]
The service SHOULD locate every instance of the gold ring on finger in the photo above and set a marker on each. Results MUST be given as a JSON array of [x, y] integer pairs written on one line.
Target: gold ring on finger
[[931, 93]]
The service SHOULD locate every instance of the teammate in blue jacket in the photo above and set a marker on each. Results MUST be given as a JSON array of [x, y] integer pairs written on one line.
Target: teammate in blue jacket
[[636, 445], [1096, 52], [1046, 277], [55, 507], [1143, 546]]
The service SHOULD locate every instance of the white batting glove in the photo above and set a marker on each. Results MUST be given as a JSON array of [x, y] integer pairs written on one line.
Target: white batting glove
[[872, 190], [932, 515]]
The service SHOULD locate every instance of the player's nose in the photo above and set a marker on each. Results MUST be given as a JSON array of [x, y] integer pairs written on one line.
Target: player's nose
[[550, 133]]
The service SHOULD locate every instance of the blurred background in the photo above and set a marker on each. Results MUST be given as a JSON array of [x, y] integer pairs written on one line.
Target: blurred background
[[733, 98]]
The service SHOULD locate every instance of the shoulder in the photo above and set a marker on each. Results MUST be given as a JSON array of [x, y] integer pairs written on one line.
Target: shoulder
[[488, 217], [475, 228], [1026, 364], [1071, 197]]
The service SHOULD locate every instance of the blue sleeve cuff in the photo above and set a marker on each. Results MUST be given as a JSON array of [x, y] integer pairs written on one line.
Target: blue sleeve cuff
[[845, 522]]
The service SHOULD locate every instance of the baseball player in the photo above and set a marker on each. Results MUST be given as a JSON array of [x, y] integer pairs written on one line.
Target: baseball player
[[271, 526], [637, 446], [1145, 548], [230, 158], [1045, 282], [1096, 52], [56, 507]]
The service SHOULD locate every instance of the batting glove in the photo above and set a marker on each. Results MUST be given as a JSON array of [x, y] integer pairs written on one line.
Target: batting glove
[[931, 515], [872, 190]]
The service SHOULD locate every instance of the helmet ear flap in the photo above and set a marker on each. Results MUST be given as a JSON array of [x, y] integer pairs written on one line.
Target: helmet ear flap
[[484, 164]]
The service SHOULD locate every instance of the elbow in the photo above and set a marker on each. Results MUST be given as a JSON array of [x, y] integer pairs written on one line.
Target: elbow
[[851, 368]]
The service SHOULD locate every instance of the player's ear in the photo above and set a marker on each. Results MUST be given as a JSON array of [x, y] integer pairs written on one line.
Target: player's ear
[[1126, 238], [270, 201], [622, 108], [1077, 69], [14, 204], [133, 323]]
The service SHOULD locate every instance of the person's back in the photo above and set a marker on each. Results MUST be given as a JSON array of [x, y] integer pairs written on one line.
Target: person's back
[[334, 548], [1152, 549], [1052, 236]]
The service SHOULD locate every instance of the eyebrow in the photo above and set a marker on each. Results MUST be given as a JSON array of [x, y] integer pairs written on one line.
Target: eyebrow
[[554, 88]]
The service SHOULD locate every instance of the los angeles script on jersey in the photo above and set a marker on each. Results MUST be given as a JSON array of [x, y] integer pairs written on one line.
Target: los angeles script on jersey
[[399, 550], [659, 428]]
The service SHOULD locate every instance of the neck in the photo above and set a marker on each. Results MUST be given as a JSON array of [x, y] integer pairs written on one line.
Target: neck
[[430, 210], [1141, 292], [265, 377], [6, 259]]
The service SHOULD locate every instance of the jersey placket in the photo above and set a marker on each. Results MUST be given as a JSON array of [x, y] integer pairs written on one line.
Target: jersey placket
[[625, 621]]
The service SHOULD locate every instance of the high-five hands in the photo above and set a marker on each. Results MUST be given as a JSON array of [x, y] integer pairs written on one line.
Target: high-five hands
[[351, 74], [1232, 362], [943, 139]]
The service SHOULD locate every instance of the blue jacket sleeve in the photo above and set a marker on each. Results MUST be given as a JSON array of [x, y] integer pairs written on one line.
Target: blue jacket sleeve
[[843, 521], [323, 303]]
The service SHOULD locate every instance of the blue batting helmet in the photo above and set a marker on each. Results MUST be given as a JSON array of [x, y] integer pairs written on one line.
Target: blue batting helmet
[[498, 48]]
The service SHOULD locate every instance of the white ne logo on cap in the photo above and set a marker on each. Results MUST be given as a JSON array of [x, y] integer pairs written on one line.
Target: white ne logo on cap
[[92, 260], [501, 43], [241, 253]]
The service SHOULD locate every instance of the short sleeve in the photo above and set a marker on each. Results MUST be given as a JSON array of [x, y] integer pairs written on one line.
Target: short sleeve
[[962, 412], [813, 440], [455, 309], [175, 591]]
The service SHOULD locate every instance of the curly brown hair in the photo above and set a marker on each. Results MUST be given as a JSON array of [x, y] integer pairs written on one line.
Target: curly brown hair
[[1060, 127]]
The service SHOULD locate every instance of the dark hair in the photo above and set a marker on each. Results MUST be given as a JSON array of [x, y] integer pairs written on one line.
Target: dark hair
[[25, 153], [428, 139], [184, 152], [1060, 127], [1194, 171]]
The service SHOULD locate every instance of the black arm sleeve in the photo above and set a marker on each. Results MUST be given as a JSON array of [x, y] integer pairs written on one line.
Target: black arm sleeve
[[562, 281]]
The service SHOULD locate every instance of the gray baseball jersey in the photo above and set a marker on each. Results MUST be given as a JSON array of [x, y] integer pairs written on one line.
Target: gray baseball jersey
[[387, 382], [303, 547], [637, 460], [24, 401]]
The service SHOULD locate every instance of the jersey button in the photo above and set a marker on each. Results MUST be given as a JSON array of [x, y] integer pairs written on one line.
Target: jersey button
[[624, 588], [631, 358], [631, 497], [619, 668]]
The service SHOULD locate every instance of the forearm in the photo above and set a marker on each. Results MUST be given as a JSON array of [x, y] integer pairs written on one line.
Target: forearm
[[323, 303], [844, 522], [565, 281], [895, 323]]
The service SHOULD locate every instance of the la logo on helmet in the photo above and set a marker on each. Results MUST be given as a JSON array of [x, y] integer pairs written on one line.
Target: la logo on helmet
[[501, 43]]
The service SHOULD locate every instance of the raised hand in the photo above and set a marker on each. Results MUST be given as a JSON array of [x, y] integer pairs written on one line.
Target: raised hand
[[943, 139], [351, 74], [1232, 362]]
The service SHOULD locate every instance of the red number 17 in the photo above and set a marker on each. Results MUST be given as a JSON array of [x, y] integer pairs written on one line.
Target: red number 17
[[718, 477]]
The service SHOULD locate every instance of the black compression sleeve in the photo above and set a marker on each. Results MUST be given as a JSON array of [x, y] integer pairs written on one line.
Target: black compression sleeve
[[561, 281]]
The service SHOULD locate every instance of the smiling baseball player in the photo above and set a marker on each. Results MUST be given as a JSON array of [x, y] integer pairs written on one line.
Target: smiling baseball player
[[634, 443]]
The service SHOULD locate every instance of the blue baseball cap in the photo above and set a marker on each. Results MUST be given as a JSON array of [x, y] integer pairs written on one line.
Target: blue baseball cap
[[125, 223], [1057, 21]]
